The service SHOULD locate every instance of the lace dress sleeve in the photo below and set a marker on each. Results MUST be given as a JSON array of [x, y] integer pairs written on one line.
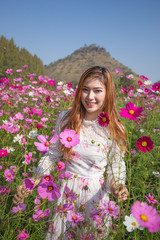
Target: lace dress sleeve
[[46, 163], [116, 167]]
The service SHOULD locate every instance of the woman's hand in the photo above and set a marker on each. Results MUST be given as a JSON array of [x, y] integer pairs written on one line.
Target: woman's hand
[[119, 190], [22, 192], [20, 195]]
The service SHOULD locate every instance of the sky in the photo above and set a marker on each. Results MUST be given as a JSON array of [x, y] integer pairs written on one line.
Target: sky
[[128, 29]]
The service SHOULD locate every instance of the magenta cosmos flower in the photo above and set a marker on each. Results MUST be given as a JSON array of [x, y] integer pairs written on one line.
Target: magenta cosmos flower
[[60, 166], [144, 144], [151, 199], [40, 214], [3, 153], [146, 215], [43, 145], [131, 112], [23, 235], [103, 119], [111, 208], [156, 87], [47, 178], [69, 138], [29, 184], [9, 175], [28, 158], [74, 218], [20, 207], [50, 190]]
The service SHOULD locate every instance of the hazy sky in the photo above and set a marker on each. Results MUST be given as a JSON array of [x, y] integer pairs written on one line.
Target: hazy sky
[[128, 29]]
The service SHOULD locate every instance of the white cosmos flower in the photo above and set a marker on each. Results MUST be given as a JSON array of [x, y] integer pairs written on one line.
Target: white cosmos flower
[[9, 149], [31, 94], [32, 134], [18, 139], [67, 92], [157, 174], [60, 83], [131, 223], [139, 90], [148, 82], [141, 130]]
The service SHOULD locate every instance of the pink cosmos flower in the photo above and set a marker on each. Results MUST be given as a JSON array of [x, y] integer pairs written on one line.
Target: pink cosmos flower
[[9, 71], [139, 82], [44, 145], [50, 190], [4, 191], [111, 208], [51, 82], [47, 178], [156, 87], [23, 235], [3, 153], [20, 207], [117, 70], [9, 175], [28, 158], [151, 199], [29, 184], [144, 144], [25, 66], [103, 119], [143, 77], [69, 138], [146, 215], [19, 70], [74, 218], [131, 112], [65, 208], [19, 116], [87, 236], [65, 175], [98, 219], [60, 166], [146, 90], [40, 214], [69, 194]]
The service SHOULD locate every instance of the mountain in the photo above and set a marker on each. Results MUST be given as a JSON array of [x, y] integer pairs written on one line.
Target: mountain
[[69, 69]]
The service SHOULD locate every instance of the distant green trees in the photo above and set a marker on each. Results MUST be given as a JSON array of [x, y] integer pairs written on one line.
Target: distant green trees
[[13, 57]]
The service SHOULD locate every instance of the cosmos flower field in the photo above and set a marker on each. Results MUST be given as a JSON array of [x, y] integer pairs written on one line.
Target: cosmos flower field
[[29, 108]]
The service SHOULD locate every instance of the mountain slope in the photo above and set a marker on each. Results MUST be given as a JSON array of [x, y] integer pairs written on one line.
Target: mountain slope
[[70, 68]]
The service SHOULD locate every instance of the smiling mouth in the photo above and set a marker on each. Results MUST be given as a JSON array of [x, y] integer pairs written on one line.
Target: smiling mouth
[[90, 104]]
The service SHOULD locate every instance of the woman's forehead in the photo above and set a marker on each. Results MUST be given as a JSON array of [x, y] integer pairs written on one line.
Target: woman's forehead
[[93, 81]]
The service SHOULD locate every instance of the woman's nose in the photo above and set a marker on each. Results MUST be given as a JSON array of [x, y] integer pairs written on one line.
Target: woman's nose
[[90, 94]]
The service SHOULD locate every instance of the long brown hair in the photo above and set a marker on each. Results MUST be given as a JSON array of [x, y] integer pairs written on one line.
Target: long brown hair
[[76, 115]]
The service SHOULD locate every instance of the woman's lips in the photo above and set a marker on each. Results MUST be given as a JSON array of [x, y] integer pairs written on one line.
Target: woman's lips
[[90, 104]]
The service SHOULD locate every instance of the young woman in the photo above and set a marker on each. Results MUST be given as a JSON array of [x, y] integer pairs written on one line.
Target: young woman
[[96, 164]]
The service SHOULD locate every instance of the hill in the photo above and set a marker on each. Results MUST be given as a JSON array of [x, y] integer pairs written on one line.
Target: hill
[[70, 68], [14, 58]]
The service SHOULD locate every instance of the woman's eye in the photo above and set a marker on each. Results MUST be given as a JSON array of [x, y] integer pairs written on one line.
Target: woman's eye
[[84, 89], [98, 91]]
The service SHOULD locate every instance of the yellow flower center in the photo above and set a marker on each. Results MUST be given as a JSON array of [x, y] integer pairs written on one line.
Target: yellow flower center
[[104, 119], [59, 166], [134, 223], [144, 143], [69, 139], [47, 178], [156, 86], [42, 216], [144, 218], [74, 217], [131, 112], [47, 143], [50, 188], [64, 210]]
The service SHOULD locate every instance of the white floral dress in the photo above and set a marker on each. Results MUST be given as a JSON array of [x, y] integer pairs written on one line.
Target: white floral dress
[[95, 154]]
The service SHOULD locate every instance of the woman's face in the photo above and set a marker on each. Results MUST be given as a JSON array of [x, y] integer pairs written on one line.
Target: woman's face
[[93, 98]]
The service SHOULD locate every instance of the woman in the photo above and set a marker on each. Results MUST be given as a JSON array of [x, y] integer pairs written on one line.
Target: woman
[[100, 152]]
